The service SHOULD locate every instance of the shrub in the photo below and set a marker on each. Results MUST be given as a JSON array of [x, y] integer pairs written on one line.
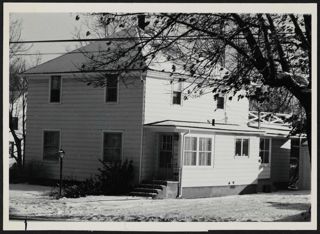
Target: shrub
[[113, 179], [33, 172]]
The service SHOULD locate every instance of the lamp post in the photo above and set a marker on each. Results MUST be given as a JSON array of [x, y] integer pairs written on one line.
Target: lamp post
[[61, 155]]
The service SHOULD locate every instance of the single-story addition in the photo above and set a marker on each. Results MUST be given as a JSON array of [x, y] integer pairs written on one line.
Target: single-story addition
[[198, 147]]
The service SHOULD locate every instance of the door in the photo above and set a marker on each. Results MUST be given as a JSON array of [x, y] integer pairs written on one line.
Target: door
[[166, 156]]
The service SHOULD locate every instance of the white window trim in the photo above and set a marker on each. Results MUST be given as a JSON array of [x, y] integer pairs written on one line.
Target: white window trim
[[42, 144], [270, 147], [118, 93], [49, 96], [197, 154], [241, 156], [175, 90], [122, 141]]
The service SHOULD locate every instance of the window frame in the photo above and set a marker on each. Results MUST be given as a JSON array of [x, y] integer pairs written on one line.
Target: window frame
[[174, 88], [235, 145], [59, 147], [106, 87], [198, 136], [60, 93], [270, 147], [122, 142]]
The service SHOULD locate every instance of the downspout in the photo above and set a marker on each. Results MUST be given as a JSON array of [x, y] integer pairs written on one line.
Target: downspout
[[142, 126], [179, 195]]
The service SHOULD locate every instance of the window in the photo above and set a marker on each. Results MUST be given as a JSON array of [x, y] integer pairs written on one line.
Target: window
[[204, 151], [198, 151], [112, 144], [112, 88], [176, 97], [220, 102], [55, 89], [265, 146], [14, 123], [51, 145], [177, 93], [242, 147], [190, 151]]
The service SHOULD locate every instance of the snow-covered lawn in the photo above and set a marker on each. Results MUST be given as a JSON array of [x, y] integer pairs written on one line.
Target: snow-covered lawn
[[33, 202]]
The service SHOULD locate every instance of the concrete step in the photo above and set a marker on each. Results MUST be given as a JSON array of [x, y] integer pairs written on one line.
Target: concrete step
[[151, 186], [158, 182], [147, 190], [143, 194]]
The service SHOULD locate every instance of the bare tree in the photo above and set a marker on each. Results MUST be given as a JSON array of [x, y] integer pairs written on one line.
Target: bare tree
[[18, 92], [261, 52]]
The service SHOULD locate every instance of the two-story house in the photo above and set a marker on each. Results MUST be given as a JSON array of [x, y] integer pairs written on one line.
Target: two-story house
[[200, 146]]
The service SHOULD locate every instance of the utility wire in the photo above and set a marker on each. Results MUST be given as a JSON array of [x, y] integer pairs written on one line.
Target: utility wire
[[124, 39]]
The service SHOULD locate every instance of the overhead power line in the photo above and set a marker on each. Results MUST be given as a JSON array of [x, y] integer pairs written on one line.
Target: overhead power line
[[124, 39]]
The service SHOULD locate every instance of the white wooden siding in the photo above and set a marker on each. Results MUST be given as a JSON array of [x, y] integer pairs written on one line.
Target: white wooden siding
[[158, 106], [280, 158], [82, 116], [226, 167]]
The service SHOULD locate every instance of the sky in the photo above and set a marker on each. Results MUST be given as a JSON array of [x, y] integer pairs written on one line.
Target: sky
[[47, 26]]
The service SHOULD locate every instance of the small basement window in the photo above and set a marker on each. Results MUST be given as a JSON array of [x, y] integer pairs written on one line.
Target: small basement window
[[242, 147], [55, 89], [112, 88], [51, 145]]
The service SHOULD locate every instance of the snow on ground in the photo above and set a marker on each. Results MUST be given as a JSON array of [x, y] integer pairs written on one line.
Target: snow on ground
[[32, 201]]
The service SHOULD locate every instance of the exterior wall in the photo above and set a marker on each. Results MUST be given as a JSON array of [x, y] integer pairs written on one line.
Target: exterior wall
[[227, 169], [158, 105], [82, 116], [280, 159]]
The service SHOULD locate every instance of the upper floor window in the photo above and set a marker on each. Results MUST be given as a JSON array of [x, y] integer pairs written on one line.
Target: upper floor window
[[14, 123], [198, 151], [112, 146], [51, 145], [176, 97], [242, 147], [265, 150], [112, 88], [220, 102], [177, 93], [55, 89]]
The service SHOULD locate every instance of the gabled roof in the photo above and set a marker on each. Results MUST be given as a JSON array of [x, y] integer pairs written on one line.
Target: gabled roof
[[72, 62]]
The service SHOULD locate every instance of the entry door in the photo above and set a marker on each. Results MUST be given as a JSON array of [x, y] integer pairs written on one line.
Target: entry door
[[166, 156]]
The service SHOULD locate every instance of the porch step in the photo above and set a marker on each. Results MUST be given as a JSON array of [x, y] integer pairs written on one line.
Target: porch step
[[143, 194], [147, 190], [158, 182], [152, 186]]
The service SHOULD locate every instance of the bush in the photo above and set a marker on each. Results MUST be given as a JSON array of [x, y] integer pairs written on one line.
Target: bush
[[113, 179], [33, 172]]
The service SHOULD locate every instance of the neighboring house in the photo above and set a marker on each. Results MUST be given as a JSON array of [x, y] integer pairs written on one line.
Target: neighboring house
[[197, 147]]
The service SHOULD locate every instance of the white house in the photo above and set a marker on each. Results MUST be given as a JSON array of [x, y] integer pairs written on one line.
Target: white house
[[190, 148]]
